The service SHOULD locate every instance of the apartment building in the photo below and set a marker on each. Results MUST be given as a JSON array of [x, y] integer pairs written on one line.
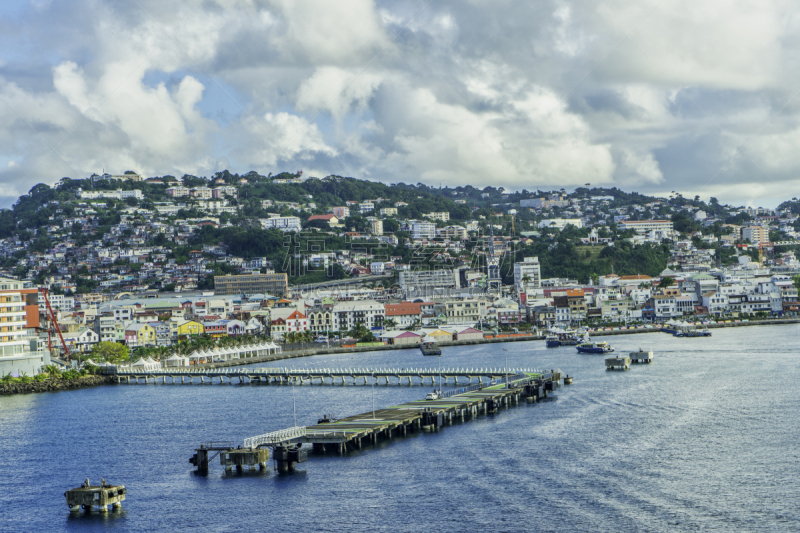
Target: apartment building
[[527, 274], [270, 283], [346, 315], [423, 230], [755, 234], [281, 223]]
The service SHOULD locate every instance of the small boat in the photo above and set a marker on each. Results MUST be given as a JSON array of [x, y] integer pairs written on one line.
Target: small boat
[[552, 341], [595, 347], [430, 348]]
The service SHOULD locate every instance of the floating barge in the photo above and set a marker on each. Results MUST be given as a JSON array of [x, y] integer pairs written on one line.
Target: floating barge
[[618, 363], [430, 348], [641, 356], [89, 496]]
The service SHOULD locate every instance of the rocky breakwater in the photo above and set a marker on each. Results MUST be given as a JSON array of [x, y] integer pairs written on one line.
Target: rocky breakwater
[[52, 385]]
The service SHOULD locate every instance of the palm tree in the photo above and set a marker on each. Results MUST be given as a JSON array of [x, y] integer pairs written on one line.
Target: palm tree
[[390, 323], [308, 336], [290, 337]]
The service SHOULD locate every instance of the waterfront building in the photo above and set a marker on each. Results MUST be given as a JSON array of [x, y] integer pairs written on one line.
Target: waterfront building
[[19, 315]]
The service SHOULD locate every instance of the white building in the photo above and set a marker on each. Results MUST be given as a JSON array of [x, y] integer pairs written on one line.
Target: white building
[[423, 230], [281, 223], [530, 268], [428, 280], [204, 193], [560, 223], [653, 230], [444, 216], [368, 312], [58, 302], [177, 192]]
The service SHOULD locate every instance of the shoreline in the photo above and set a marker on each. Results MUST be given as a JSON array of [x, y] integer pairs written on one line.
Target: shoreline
[[108, 379], [54, 385]]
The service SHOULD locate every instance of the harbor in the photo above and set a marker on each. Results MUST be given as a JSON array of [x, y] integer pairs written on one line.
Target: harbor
[[609, 448]]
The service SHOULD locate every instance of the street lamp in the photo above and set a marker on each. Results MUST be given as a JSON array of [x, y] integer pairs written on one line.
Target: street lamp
[[505, 351], [294, 406], [373, 395]]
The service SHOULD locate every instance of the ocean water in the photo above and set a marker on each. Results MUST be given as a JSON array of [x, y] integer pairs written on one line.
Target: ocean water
[[707, 438]]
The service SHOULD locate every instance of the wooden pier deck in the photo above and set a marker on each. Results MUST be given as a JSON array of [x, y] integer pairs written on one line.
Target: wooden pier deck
[[353, 432]]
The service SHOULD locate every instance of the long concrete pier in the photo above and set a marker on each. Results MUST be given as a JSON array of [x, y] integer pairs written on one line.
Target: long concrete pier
[[324, 376], [355, 432]]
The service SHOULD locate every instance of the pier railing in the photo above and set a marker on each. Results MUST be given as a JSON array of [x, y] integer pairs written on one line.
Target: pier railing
[[462, 390], [275, 437]]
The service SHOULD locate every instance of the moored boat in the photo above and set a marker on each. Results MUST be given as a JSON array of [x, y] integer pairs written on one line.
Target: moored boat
[[552, 341], [595, 347]]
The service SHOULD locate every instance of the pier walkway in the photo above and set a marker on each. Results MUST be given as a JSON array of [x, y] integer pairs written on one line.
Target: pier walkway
[[323, 376], [351, 433]]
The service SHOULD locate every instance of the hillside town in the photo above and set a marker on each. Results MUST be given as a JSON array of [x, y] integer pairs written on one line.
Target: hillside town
[[153, 263]]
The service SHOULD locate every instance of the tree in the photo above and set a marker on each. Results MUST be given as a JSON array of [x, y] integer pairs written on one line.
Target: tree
[[390, 323], [113, 352], [666, 282]]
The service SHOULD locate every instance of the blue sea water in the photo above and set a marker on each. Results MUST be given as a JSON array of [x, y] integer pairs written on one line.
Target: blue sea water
[[706, 438]]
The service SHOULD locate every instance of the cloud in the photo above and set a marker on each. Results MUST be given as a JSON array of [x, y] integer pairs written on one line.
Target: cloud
[[647, 96]]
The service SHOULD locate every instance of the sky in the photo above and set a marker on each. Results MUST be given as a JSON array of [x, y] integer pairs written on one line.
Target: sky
[[654, 96]]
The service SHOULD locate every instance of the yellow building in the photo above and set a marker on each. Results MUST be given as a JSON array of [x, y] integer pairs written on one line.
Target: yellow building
[[439, 335], [140, 335], [190, 327]]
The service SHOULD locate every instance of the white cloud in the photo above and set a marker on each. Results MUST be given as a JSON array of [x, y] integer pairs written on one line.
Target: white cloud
[[549, 93], [336, 90]]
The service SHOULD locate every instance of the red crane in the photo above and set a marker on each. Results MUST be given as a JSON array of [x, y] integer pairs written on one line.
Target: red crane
[[53, 322]]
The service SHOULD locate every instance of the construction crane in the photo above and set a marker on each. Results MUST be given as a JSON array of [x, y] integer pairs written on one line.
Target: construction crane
[[51, 316]]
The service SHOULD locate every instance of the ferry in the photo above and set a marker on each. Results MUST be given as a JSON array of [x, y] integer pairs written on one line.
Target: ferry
[[430, 348], [595, 347], [552, 341]]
